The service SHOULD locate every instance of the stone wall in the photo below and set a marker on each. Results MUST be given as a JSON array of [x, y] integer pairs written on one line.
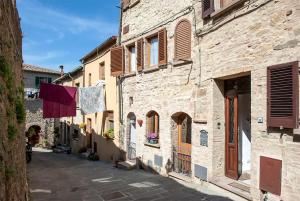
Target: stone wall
[[244, 40], [166, 90], [13, 184], [34, 117]]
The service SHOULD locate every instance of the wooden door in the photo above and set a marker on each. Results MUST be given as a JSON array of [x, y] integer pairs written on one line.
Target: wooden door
[[231, 137], [184, 135], [184, 144]]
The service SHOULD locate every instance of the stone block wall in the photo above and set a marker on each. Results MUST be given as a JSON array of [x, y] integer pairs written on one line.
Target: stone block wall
[[242, 41], [34, 117], [166, 90], [246, 41], [13, 183]]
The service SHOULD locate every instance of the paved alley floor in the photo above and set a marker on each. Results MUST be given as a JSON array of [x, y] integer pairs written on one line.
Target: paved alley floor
[[62, 177]]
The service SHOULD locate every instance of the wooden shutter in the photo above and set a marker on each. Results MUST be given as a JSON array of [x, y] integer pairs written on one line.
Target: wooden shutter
[[207, 8], [125, 3], [162, 47], [140, 54], [183, 35], [117, 62], [283, 95]]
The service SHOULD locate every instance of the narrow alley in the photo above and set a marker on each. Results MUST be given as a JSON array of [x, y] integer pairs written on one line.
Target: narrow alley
[[62, 177]]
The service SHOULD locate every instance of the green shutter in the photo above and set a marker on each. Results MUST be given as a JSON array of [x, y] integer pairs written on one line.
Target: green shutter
[[49, 80], [37, 82]]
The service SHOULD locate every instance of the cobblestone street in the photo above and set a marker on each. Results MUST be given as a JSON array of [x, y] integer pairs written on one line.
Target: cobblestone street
[[62, 177]]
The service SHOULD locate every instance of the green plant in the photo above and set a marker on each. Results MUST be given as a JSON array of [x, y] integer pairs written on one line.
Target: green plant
[[20, 110], [1, 89], [11, 132], [93, 157], [110, 134], [30, 132], [4, 68]]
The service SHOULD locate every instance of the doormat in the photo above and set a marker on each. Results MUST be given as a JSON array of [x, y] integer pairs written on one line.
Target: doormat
[[240, 186]]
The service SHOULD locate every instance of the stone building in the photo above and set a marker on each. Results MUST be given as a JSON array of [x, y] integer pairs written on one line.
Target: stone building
[[210, 91], [13, 177], [39, 130], [68, 128]]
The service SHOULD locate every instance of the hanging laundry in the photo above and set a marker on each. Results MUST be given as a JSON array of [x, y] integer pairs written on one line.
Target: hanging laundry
[[92, 99], [58, 101]]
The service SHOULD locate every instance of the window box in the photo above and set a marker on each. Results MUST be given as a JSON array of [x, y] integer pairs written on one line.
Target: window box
[[152, 145]]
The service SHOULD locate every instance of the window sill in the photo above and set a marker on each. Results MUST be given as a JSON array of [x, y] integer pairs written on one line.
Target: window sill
[[222, 11], [152, 145], [129, 75], [182, 62], [151, 69]]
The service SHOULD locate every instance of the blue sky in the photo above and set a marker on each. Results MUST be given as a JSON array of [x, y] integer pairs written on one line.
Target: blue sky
[[60, 32]]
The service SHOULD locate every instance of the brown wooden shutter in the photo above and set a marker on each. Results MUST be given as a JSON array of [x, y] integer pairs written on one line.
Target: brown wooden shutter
[[125, 3], [162, 47], [140, 54], [283, 95], [207, 8], [117, 61], [183, 35]]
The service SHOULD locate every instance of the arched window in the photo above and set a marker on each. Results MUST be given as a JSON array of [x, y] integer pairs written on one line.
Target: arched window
[[183, 35], [152, 133]]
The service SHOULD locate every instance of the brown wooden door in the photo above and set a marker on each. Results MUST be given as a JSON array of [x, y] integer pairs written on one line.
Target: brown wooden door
[[231, 137], [184, 135]]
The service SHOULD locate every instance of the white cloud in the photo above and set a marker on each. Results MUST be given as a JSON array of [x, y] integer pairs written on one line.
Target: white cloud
[[37, 15], [44, 57]]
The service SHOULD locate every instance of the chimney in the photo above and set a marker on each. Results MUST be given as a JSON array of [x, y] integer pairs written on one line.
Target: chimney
[[61, 70]]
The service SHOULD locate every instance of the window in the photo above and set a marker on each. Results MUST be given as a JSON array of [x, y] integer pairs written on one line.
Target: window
[[283, 95], [39, 80], [89, 126], [110, 121], [90, 79], [153, 51], [75, 134], [183, 35], [102, 71], [132, 58], [77, 94], [152, 128]]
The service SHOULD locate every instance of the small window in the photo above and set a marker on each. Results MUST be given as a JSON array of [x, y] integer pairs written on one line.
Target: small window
[[283, 95], [132, 58], [90, 79], [152, 51], [89, 126], [152, 128], [102, 71], [77, 94], [75, 134], [39, 80], [110, 121]]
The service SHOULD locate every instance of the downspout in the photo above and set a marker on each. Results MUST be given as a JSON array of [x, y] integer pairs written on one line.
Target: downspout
[[119, 81]]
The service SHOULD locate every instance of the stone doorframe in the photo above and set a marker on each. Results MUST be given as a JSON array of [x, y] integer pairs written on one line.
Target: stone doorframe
[[130, 148]]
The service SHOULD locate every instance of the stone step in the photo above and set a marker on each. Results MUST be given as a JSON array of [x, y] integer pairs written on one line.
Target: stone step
[[126, 165], [179, 176]]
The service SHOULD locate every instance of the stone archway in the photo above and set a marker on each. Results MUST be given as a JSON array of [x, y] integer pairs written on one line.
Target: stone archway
[[33, 134], [181, 137]]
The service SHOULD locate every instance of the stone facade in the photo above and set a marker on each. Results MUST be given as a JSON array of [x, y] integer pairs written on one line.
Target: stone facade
[[34, 105], [70, 133], [241, 41], [13, 177]]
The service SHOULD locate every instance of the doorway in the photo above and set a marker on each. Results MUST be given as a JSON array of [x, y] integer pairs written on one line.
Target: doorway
[[181, 129], [238, 128], [131, 136]]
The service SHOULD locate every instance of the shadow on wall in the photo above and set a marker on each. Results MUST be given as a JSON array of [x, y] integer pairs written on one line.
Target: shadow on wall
[[80, 142]]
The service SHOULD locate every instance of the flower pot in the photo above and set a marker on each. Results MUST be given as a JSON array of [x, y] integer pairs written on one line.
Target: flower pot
[[153, 141]]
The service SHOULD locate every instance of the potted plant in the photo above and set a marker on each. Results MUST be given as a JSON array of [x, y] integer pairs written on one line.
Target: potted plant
[[152, 138], [109, 134], [82, 126]]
